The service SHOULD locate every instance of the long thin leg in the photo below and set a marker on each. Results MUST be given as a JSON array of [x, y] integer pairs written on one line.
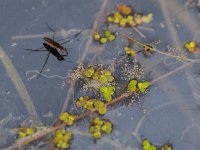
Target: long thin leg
[[51, 30], [36, 50], [70, 38], [44, 63]]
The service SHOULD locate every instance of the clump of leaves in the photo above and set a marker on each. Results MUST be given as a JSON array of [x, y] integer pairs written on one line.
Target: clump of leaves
[[129, 51], [99, 126], [67, 118], [22, 132], [107, 92], [88, 72], [166, 147], [62, 139], [146, 145], [124, 9], [141, 86], [98, 74], [105, 77], [191, 46], [104, 37], [132, 86], [82, 101], [101, 107], [125, 17], [90, 104]]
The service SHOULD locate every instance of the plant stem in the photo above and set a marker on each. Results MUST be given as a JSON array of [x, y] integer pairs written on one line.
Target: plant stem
[[26, 140]]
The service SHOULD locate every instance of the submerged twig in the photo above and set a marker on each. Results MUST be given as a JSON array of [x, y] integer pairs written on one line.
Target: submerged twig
[[89, 42], [19, 85]]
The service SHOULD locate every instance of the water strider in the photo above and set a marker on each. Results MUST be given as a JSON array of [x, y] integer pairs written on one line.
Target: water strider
[[53, 47]]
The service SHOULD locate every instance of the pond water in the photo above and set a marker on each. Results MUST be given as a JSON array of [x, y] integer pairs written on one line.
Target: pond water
[[168, 113]]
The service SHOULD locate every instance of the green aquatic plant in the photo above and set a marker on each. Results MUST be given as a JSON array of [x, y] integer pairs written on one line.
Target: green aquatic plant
[[99, 126], [129, 51], [67, 118], [82, 101], [107, 92], [88, 72], [166, 147], [22, 132], [104, 36], [105, 77], [62, 139], [146, 145], [132, 86], [143, 86], [191, 46], [91, 104]]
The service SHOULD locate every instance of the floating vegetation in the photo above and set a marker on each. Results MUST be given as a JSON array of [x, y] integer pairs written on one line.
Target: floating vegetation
[[94, 77], [125, 17], [92, 104], [129, 51], [107, 92], [103, 87], [62, 139], [166, 147], [142, 86], [104, 36], [100, 126], [67, 118], [22, 132], [147, 145], [191, 46]]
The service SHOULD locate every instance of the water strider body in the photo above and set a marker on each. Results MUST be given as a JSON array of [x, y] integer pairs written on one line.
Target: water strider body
[[54, 51], [55, 44], [53, 47]]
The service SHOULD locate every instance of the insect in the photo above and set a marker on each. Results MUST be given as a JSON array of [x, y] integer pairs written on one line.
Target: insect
[[53, 47]]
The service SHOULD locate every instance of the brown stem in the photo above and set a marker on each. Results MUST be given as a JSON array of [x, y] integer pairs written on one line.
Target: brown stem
[[40, 134]]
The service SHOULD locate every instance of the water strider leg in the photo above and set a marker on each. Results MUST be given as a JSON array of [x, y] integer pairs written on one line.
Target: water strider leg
[[36, 50], [51, 30], [44, 63]]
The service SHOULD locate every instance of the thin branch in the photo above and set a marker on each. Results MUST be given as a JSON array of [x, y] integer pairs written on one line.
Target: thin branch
[[26, 140], [89, 42]]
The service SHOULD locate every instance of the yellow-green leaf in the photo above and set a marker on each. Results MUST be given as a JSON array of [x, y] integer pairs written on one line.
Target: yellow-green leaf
[[97, 135], [146, 144], [102, 110], [102, 79], [143, 86], [132, 86]]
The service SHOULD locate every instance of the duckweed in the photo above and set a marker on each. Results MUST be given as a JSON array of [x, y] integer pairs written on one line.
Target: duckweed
[[129, 51], [107, 92], [99, 126], [62, 139], [67, 118], [22, 132], [191, 46]]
